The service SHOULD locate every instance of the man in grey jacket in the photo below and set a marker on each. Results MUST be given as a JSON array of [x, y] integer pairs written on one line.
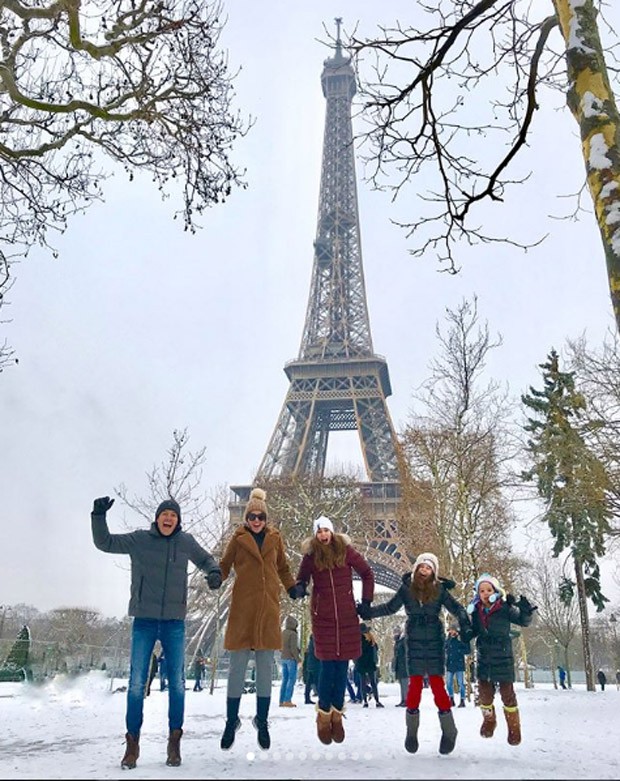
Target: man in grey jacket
[[158, 603]]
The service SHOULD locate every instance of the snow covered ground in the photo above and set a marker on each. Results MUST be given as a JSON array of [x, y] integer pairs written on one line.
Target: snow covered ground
[[74, 729]]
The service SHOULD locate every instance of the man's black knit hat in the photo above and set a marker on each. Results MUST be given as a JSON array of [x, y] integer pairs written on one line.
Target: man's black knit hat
[[169, 504]]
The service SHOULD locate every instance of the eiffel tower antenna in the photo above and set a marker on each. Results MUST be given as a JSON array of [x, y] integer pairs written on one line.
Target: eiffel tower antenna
[[338, 21], [337, 382]]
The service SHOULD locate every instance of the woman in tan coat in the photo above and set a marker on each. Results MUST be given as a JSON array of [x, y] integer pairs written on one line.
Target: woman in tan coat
[[256, 552]]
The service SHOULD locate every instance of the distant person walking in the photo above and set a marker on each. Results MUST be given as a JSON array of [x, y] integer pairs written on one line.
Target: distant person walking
[[618, 680], [163, 672], [456, 651], [562, 676], [366, 665], [602, 679], [289, 661], [152, 673], [354, 684], [399, 665], [159, 561], [310, 672], [199, 667]]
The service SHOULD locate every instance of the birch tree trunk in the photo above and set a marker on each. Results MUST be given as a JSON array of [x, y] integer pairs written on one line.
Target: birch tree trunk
[[594, 107]]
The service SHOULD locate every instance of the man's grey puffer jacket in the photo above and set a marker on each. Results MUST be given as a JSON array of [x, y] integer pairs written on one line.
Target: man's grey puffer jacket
[[158, 567]]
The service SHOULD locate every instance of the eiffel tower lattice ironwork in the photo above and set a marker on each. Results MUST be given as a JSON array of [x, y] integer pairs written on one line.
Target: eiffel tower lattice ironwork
[[338, 382]]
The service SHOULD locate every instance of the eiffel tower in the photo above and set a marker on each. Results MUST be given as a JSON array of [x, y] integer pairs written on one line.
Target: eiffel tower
[[338, 382]]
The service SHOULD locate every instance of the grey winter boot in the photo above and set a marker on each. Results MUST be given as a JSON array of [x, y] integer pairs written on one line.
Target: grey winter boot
[[412, 720], [132, 751], [174, 748], [448, 732]]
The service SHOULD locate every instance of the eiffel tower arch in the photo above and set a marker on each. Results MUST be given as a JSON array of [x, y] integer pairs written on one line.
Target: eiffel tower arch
[[337, 382]]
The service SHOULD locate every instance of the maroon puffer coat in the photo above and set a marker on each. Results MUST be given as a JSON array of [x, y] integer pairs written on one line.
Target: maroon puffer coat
[[335, 624]]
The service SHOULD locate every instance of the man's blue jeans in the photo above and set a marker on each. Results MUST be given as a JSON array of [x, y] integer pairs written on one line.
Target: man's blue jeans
[[171, 634], [289, 676], [460, 682]]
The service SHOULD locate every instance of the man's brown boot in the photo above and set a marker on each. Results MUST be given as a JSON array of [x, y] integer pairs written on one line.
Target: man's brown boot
[[132, 752], [174, 748]]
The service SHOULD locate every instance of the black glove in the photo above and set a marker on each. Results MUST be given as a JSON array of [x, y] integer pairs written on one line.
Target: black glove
[[363, 609], [102, 505], [510, 600], [466, 634], [214, 578], [525, 606], [298, 591]]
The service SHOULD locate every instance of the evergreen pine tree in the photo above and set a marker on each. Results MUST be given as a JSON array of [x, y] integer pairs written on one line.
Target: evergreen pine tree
[[15, 667], [573, 483]]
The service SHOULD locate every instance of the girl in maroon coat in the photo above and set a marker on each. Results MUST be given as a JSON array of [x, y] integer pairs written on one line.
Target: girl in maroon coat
[[329, 559]]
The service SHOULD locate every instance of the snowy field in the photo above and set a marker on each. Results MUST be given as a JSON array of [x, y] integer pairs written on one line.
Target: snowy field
[[74, 729]]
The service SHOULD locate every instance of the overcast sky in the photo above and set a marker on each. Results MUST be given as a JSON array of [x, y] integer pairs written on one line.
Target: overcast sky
[[139, 329]]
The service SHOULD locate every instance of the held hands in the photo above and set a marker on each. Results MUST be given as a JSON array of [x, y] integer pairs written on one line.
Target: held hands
[[363, 609], [214, 578], [102, 505], [298, 591], [466, 634]]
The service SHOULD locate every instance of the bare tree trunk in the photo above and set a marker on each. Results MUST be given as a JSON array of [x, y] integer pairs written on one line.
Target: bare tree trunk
[[585, 625], [215, 646], [526, 670], [592, 103]]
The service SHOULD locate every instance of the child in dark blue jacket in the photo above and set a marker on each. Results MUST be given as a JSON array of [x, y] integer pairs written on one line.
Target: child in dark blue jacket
[[492, 611]]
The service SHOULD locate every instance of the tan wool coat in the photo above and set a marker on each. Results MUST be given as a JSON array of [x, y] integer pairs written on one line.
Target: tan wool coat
[[254, 617]]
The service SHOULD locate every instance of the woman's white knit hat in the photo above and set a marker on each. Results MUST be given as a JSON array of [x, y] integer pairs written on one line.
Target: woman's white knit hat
[[430, 560], [323, 522]]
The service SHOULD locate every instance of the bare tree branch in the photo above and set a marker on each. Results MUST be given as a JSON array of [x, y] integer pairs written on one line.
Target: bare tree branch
[[86, 84], [437, 121]]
